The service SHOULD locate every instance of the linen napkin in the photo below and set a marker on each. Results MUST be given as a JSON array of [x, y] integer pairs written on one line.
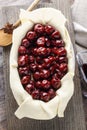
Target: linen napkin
[[79, 16]]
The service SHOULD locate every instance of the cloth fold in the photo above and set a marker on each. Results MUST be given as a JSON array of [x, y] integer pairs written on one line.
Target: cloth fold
[[79, 16]]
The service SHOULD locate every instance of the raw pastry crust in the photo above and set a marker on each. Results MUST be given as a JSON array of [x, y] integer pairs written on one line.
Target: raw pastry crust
[[29, 107]]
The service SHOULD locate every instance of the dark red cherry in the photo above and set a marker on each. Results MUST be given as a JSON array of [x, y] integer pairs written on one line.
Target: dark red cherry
[[56, 35], [45, 84], [51, 58], [58, 43], [56, 83], [55, 51], [63, 67], [62, 51], [31, 35], [22, 50], [25, 80], [40, 41], [59, 74], [49, 29], [45, 96], [40, 67], [29, 88], [47, 42], [25, 42], [36, 75], [31, 59], [47, 61], [23, 60], [41, 51], [36, 94], [34, 51], [63, 59], [52, 70], [52, 93], [33, 67], [44, 73], [39, 28], [23, 71], [38, 85]]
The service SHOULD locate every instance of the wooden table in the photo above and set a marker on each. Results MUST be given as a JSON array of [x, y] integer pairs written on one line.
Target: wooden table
[[74, 115]]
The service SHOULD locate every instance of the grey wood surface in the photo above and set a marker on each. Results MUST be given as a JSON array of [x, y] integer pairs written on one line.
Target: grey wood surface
[[74, 115]]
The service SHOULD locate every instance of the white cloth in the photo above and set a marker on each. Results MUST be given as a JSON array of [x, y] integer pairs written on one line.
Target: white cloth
[[14, 2], [29, 107], [79, 15]]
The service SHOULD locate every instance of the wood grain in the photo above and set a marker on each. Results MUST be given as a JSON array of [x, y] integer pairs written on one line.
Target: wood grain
[[74, 115]]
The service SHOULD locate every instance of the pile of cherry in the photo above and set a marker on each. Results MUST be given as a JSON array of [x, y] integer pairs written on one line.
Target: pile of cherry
[[42, 62]]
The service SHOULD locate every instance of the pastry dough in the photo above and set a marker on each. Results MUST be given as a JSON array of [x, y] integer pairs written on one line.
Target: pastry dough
[[29, 107]]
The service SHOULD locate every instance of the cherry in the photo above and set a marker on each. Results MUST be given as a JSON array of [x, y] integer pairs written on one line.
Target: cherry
[[52, 93], [31, 59], [25, 80], [47, 62], [57, 75], [42, 51], [49, 29], [36, 75], [56, 83], [38, 84], [52, 70], [34, 51], [61, 51], [63, 67], [63, 59], [45, 96], [44, 73], [33, 67], [47, 42], [55, 35], [36, 94], [40, 67], [31, 35], [58, 43], [22, 50], [39, 28], [51, 58], [25, 42], [45, 84], [29, 88], [55, 51], [40, 41], [23, 71], [23, 60]]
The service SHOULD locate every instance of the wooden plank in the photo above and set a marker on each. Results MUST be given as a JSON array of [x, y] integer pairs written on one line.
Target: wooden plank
[[74, 115]]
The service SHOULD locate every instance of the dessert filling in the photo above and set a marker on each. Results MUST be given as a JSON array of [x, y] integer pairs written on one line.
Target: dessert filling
[[42, 61]]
